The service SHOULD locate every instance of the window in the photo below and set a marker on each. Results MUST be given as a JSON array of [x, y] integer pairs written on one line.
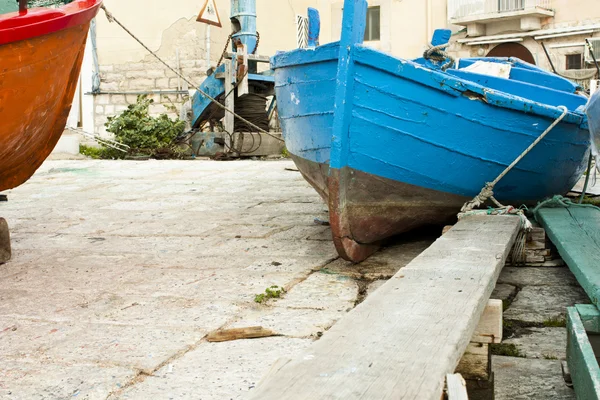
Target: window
[[373, 31], [574, 61], [511, 5]]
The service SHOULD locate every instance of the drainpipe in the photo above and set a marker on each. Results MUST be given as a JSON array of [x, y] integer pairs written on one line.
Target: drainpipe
[[243, 21]]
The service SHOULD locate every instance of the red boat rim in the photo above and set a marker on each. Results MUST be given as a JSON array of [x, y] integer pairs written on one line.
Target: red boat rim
[[36, 22]]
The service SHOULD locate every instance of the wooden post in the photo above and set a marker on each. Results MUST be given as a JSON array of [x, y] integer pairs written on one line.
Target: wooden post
[[230, 104], [22, 6], [5, 251], [242, 70]]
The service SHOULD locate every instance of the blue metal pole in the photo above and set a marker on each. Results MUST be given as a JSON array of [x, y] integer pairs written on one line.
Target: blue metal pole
[[243, 18]]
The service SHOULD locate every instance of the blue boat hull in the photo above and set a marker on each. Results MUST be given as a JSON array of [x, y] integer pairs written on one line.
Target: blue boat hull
[[416, 144]]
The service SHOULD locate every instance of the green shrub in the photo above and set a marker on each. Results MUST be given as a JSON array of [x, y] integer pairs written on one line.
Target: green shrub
[[146, 136]]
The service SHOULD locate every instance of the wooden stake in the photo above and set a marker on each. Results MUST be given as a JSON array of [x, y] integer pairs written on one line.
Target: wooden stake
[[228, 335]]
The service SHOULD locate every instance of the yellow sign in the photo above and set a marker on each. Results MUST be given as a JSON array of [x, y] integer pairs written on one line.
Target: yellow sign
[[210, 14]]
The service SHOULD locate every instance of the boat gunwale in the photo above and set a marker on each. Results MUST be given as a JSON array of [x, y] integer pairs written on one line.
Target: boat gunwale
[[438, 80], [73, 14]]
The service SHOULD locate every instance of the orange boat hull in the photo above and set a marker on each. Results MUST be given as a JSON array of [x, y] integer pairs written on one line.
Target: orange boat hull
[[38, 78]]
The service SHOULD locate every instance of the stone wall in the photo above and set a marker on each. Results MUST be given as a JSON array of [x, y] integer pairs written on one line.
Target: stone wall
[[122, 83]]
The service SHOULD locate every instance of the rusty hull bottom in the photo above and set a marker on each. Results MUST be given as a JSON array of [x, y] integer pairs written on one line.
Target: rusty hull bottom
[[365, 209]]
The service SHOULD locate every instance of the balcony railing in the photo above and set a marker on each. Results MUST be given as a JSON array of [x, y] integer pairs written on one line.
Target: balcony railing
[[459, 9]]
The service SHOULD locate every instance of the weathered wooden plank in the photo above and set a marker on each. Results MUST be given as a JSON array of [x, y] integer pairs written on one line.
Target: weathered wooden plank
[[489, 329], [227, 335], [585, 372], [402, 340], [575, 232], [456, 387]]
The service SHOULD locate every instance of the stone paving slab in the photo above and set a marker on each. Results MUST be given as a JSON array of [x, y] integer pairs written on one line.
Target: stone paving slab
[[21, 380], [542, 343], [529, 379], [504, 292], [546, 276], [536, 304], [216, 371]]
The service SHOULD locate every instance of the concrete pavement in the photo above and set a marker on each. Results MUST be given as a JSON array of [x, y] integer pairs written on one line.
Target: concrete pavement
[[120, 269]]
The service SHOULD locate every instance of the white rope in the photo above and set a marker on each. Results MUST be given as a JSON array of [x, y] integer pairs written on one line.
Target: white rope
[[103, 141]]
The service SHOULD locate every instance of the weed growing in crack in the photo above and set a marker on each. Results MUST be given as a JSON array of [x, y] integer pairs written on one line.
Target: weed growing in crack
[[506, 349], [273, 292], [549, 357], [555, 322]]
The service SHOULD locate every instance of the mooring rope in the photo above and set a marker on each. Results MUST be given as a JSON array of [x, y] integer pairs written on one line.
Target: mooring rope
[[488, 190], [487, 193], [438, 53], [111, 18]]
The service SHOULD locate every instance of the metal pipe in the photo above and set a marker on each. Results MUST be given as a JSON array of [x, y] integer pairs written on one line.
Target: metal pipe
[[548, 55], [22, 6], [243, 20]]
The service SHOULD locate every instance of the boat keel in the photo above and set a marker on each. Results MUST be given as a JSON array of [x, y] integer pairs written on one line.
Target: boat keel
[[5, 250], [348, 248]]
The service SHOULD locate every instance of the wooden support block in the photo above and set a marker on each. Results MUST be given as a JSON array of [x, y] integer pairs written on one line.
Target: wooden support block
[[228, 335], [475, 363], [447, 229], [5, 249], [535, 245], [456, 387], [532, 258], [538, 234], [489, 329]]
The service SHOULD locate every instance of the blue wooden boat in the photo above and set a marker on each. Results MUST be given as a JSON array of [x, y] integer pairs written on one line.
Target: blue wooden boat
[[394, 144]]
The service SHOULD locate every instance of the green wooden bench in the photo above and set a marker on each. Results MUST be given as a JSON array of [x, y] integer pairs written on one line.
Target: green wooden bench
[[575, 231]]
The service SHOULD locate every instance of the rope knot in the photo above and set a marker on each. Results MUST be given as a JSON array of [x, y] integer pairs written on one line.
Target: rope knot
[[109, 15], [438, 54]]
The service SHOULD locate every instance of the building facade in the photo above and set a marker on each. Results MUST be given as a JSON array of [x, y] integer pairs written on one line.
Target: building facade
[[522, 28], [117, 69]]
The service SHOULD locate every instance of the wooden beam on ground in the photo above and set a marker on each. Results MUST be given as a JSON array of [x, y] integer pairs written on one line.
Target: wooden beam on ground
[[575, 231], [403, 340], [583, 366], [227, 335], [456, 387], [475, 363]]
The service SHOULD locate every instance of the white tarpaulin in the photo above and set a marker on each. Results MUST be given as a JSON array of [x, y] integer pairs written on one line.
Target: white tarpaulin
[[490, 68]]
